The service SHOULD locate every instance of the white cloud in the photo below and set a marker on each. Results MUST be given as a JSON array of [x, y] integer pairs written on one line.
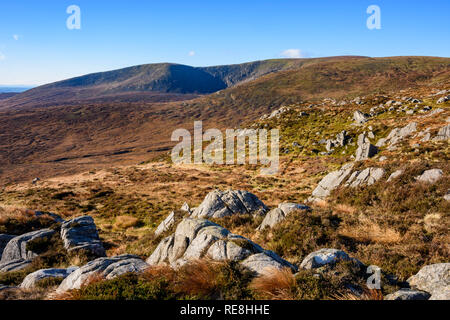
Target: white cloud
[[16, 37], [294, 53], [2, 56], [191, 53]]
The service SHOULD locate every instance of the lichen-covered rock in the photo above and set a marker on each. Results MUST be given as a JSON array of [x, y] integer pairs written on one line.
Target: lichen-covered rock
[[277, 215], [430, 176], [365, 177], [263, 263], [199, 238], [365, 149], [394, 175], [360, 117], [396, 135], [32, 279], [434, 279], [408, 294], [443, 134], [16, 248], [80, 234], [330, 182], [324, 257], [4, 239], [166, 224], [443, 99], [219, 204], [108, 267], [14, 265]]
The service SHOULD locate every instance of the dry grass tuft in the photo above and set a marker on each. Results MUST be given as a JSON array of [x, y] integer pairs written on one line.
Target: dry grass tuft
[[198, 278], [125, 222], [370, 231], [367, 295], [277, 284]]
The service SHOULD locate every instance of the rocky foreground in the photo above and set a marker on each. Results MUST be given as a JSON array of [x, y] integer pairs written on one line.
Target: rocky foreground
[[379, 149]]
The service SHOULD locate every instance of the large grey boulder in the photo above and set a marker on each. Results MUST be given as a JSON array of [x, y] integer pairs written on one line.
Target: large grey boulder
[[199, 238], [107, 267], [443, 134], [219, 204], [430, 176], [277, 215], [408, 294], [365, 177], [434, 279], [365, 149], [80, 234], [330, 182], [14, 265], [324, 257], [397, 135], [16, 249], [32, 279], [4, 239]]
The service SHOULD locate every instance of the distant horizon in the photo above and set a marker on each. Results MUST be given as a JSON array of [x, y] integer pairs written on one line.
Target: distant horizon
[[39, 45], [31, 86]]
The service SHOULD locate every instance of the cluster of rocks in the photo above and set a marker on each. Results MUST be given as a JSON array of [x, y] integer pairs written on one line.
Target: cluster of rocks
[[341, 140], [397, 135], [276, 113], [358, 178], [78, 235]]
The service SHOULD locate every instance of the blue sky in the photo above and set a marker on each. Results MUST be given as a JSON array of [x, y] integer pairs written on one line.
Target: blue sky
[[36, 47]]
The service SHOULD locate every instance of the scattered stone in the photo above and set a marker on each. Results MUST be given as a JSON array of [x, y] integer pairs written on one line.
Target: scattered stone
[[382, 158], [408, 294], [396, 135], [443, 134], [443, 99], [324, 257], [434, 279], [360, 117], [80, 234], [394, 175], [277, 215], [365, 149], [108, 267], [185, 207], [32, 279], [16, 248], [447, 196], [330, 182], [366, 177], [219, 204], [430, 176]]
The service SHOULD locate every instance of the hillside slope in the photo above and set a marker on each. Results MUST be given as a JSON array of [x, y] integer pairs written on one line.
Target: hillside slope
[[164, 79], [81, 135]]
